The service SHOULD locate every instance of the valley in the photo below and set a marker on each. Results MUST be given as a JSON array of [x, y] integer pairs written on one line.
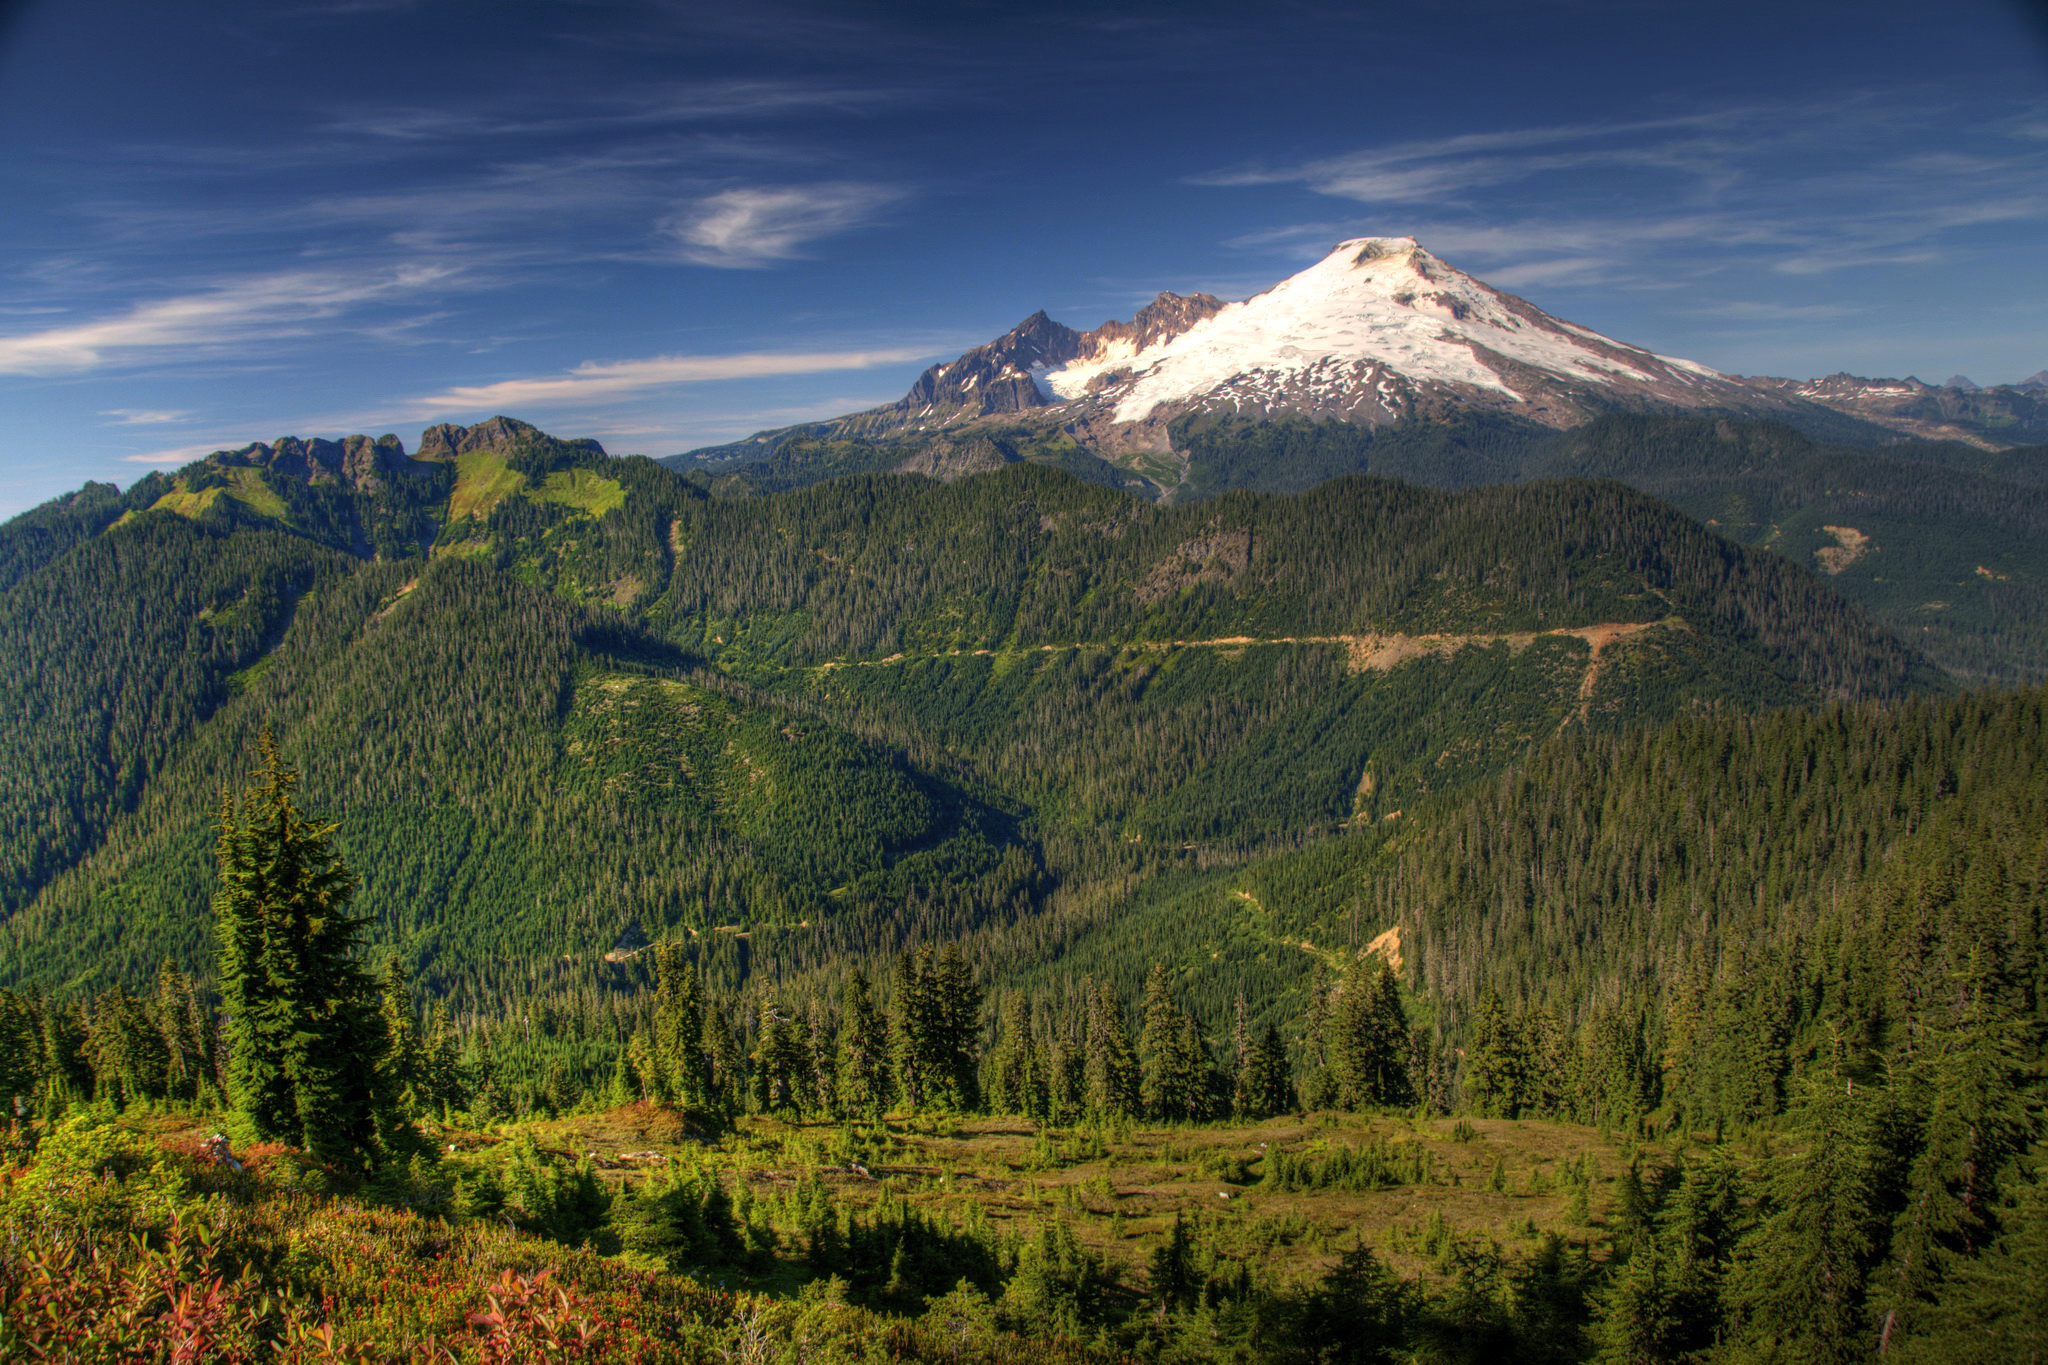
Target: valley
[[1005, 911]]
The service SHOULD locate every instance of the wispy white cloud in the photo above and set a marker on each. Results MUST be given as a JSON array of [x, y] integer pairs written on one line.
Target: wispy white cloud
[[1793, 189], [178, 455], [142, 417], [621, 110], [747, 228], [274, 305], [615, 379], [1435, 170]]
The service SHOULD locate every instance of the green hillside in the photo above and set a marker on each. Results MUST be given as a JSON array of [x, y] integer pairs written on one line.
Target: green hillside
[[1942, 542], [579, 704]]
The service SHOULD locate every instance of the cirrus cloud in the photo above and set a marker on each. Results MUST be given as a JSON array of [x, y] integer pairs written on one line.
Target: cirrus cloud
[[749, 228], [280, 304], [612, 379]]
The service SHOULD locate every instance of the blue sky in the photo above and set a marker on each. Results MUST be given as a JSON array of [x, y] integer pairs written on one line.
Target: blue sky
[[671, 224]]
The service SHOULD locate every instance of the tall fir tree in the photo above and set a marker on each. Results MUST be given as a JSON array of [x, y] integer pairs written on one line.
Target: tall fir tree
[[866, 1082], [1367, 1039], [679, 1028], [955, 997], [912, 1024], [1499, 1077], [1264, 1086], [1173, 1064], [304, 1033], [1112, 1063], [1798, 1287]]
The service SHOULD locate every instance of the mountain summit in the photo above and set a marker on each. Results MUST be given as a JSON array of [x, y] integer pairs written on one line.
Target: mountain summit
[[1378, 331]]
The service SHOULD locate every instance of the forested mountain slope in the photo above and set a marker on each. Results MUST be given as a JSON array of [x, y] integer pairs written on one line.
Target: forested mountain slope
[[1941, 541], [560, 702], [1687, 919]]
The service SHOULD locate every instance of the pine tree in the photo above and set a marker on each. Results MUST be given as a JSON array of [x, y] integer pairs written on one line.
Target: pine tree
[[1798, 1287], [1498, 1066], [728, 1071], [780, 1073], [1173, 1064], [865, 1083], [1995, 1304], [402, 1070], [956, 1031], [1698, 1231], [678, 1042], [1012, 1079], [1318, 1079], [304, 1032], [1112, 1063], [129, 1059], [1973, 1074], [21, 1053], [1264, 1087], [821, 1064], [911, 1026], [1367, 1039], [1639, 1322]]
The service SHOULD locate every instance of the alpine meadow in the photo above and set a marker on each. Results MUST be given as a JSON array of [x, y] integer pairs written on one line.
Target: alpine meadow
[[1340, 821]]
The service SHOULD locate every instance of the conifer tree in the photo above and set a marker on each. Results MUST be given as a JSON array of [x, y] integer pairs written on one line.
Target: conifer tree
[[780, 1073], [1174, 1080], [443, 1059], [1798, 1287], [1698, 1230], [912, 1023], [821, 1063], [728, 1071], [1112, 1063], [1994, 1305], [129, 1059], [187, 1031], [1973, 1075], [304, 1030], [1012, 1066], [678, 1041], [1497, 1061], [1318, 1083], [402, 1079], [956, 1030], [865, 1083], [1367, 1039], [1264, 1087], [21, 1058], [1066, 1067]]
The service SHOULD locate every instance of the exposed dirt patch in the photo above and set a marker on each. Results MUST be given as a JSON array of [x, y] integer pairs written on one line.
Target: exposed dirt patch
[[1388, 946], [1850, 545]]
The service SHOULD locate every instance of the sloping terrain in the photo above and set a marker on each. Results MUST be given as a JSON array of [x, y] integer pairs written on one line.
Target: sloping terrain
[[587, 704]]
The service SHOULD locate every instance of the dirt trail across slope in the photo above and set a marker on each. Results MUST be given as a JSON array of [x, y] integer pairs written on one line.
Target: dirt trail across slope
[[1363, 653]]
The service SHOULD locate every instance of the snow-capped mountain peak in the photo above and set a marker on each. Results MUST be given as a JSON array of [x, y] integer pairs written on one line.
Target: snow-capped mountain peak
[[1376, 314], [1379, 331]]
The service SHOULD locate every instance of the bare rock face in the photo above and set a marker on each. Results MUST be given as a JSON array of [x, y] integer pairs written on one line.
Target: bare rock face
[[1163, 319], [357, 461], [447, 441]]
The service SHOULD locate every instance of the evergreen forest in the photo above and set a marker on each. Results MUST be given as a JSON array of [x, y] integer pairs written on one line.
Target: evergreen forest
[[506, 902]]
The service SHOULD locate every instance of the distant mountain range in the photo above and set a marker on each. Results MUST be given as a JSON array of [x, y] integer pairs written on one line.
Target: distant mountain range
[[1378, 333]]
